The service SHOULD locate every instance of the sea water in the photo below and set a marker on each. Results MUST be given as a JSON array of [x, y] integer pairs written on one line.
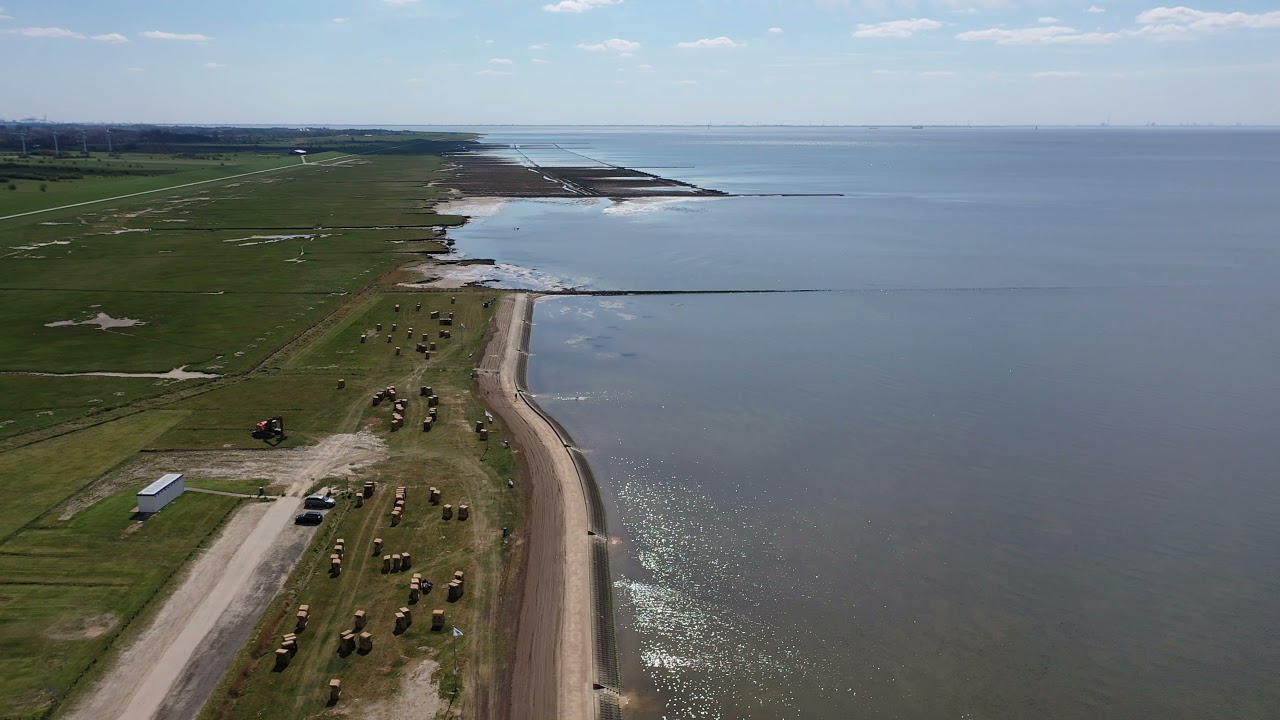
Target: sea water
[[1016, 459]]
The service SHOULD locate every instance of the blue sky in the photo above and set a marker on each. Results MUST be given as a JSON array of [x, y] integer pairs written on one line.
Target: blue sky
[[641, 61]]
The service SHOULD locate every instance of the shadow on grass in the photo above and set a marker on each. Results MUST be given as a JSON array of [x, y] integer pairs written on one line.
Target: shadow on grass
[[269, 437]]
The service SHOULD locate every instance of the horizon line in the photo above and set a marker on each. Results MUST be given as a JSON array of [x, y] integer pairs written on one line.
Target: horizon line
[[358, 126]]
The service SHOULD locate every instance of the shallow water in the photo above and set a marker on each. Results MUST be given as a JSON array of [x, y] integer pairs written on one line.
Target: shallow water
[[1018, 464]]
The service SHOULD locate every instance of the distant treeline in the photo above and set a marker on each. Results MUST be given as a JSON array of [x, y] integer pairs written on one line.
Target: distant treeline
[[197, 141], [74, 171]]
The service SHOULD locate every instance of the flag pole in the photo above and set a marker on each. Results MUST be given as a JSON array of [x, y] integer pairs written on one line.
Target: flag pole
[[456, 634]]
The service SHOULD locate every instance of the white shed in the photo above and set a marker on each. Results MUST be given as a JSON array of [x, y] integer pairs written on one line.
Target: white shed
[[160, 493]]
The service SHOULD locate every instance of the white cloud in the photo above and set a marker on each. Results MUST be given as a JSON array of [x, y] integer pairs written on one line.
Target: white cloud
[[493, 72], [538, 47], [775, 30], [1095, 9], [895, 28], [214, 66], [400, 3], [615, 45], [501, 61], [1049, 20], [687, 82], [50, 32], [540, 61], [884, 73], [137, 69], [341, 21], [1162, 23], [717, 42], [161, 35], [932, 74], [578, 6], [416, 81], [65, 34], [1056, 75], [3, 16], [1049, 35], [644, 68], [1186, 20]]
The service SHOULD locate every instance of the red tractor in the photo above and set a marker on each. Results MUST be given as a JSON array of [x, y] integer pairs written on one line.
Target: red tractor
[[270, 428]]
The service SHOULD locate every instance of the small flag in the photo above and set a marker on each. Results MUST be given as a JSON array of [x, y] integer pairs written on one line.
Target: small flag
[[457, 632]]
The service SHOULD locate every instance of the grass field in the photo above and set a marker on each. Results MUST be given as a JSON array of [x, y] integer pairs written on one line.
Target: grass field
[[266, 282], [42, 180], [45, 182], [205, 296], [67, 586]]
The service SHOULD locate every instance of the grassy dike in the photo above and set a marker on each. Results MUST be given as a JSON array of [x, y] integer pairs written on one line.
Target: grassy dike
[[277, 320]]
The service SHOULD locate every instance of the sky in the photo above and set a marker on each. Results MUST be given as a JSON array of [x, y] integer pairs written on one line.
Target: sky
[[467, 62]]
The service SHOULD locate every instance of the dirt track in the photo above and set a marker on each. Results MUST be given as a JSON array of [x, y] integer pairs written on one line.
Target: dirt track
[[171, 669], [551, 673]]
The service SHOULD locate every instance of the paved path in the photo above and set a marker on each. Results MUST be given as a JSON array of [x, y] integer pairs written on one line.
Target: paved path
[[228, 494]]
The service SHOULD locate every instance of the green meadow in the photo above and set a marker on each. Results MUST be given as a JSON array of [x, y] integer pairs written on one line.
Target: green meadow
[[214, 279]]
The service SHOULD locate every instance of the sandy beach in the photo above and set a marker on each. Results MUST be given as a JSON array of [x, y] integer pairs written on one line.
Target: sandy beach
[[551, 668]]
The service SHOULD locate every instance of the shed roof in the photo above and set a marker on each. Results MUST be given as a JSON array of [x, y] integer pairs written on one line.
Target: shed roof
[[164, 482]]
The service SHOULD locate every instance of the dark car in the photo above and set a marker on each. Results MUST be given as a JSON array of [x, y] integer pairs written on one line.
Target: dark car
[[309, 518]]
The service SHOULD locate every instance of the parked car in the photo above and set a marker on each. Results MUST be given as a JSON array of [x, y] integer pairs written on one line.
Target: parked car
[[309, 518], [323, 502]]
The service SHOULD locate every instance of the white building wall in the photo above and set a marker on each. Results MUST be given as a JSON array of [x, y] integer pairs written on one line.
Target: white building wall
[[153, 498]]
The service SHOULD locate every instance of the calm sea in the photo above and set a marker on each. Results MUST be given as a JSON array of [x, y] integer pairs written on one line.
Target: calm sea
[[1020, 460]]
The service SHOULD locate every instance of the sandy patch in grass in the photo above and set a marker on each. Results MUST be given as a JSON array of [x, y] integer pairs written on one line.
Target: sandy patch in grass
[[81, 628], [292, 469], [418, 697]]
